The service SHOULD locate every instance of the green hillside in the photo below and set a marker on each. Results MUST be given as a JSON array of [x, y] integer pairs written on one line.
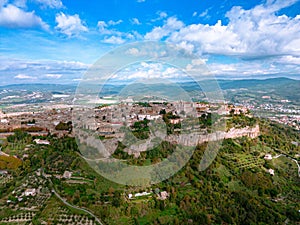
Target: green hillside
[[235, 189]]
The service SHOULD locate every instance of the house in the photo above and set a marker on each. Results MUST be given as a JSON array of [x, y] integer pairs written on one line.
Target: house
[[163, 195], [142, 194], [3, 172], [175, 121], [271, 171], [268, 157], [30, 192], [41, 142], [4, 121], [67, 175]]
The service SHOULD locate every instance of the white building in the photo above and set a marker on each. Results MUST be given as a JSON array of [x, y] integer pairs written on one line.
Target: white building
[[30, 192], [148, 117], [41, 142], [268, 157], [4, 121], [271, 171], [67, 175], [142, 194], [164, 195]]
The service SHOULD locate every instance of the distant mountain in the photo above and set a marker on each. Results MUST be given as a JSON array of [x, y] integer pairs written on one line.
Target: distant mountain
[[39, 87], [284, 88], [257, 84]]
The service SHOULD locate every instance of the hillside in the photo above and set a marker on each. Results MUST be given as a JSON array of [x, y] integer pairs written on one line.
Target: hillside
[[235, 189]]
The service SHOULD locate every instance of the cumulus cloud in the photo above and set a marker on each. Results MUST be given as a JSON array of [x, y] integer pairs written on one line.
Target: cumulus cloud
[[113, 36], [14, 17], [256, 32], [161, 15], [171, 25], [114, 40], [133, 51], [145, 70], [104, 27], [101, 25], [70, 25]]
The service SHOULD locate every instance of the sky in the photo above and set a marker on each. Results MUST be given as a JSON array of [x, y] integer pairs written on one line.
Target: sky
[[56, 41]]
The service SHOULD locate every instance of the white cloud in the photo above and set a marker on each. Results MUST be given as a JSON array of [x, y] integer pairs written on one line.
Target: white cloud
[[288, 59], [171, 25], [113, 23], [161, 15], [15, 70], [133, 51], [212, 39], [135, 21], [146, 70], [113, 36], [24, 76], [104, 27], [114, 40], [50, 3], [257, 32], [272, 67], [187, 46], [195, 14], [14, 17], [101, 25], [70, 25], [204, 13], [139, 1], [55, 76]]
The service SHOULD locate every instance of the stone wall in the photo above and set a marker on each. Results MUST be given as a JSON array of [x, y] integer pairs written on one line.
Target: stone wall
[[193, 139]]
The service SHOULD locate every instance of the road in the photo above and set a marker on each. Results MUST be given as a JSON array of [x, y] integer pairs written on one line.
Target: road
[[277, 156], [75, 207], [68, 204]]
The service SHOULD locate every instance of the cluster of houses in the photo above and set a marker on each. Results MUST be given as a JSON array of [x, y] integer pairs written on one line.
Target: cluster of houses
[[107, 120], [43, 121]]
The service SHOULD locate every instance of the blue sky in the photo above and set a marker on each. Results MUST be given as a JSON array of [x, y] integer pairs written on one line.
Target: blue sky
[[57, 40]]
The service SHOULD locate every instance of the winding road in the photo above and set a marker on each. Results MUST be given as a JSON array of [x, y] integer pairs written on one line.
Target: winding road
[[277, 156], [75, 207], [68, 204]]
